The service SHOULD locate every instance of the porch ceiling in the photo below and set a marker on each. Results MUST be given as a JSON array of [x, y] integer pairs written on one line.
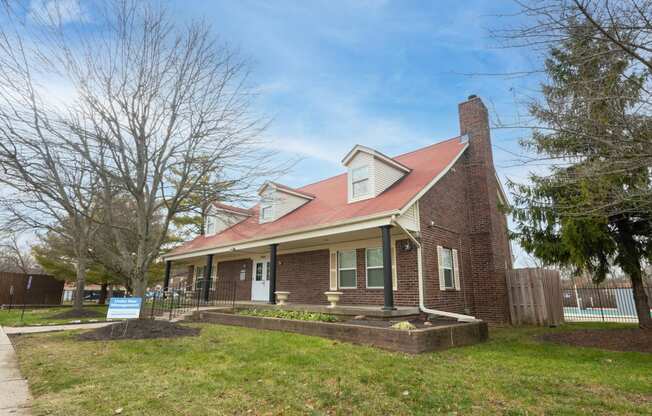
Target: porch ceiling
[[298, 245]]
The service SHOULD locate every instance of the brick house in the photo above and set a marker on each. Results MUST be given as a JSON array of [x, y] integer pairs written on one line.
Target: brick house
[[423, 229]]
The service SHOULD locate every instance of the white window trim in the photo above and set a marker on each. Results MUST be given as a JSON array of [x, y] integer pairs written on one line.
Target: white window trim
[[367, 178], [354, 268], [271, 211], [370, 189], [210, 221], [367, 267], [454, 269]]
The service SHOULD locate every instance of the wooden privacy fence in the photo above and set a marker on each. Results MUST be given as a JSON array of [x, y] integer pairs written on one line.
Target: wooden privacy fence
[[535, 296], [44, 289]]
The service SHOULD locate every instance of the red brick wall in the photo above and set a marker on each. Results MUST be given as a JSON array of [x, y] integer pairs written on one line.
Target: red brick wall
[[230, 271], [407, 292], [305, 275], [487, 231], [446, 205]]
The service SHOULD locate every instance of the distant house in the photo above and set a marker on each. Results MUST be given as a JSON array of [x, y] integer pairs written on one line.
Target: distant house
[[422, 229]]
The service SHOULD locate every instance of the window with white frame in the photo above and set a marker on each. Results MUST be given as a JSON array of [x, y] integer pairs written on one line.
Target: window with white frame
[[266, 212], [210, 225], [360, 181], [447, 266], [199, 277], [375, 277], [346, 274]]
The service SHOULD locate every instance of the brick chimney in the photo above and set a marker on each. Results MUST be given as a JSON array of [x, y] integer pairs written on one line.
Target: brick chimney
[[487, 225]]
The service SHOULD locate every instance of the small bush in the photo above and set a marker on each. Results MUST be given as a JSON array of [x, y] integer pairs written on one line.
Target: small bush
[[404, 326], [296, 315]]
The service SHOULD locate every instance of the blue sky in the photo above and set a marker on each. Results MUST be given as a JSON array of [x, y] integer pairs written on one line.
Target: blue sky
[[386, 74], [382, 73]]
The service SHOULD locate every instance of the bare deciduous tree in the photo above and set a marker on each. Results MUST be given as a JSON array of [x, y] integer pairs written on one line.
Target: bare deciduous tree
[[14, 257], [156, 110]]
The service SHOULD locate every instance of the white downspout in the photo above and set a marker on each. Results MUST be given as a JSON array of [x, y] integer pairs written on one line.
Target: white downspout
[[460, 317]]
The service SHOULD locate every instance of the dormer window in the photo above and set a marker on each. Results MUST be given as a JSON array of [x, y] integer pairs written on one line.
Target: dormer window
[[266, 212], [278, 200], [210, 225], [370, 173], [221, 216], [360, 181]]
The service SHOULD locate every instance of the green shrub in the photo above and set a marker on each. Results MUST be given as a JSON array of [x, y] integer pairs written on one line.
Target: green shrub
[[296, 315], [404, 326]]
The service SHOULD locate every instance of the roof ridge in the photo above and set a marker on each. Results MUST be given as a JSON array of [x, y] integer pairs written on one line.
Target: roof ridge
[[426, 147]]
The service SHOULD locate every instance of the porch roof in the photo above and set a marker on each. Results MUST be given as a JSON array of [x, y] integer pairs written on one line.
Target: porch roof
[[330, 206]]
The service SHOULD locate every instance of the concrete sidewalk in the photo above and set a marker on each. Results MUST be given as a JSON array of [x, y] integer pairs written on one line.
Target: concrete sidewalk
[[14, 393], [18, 330]]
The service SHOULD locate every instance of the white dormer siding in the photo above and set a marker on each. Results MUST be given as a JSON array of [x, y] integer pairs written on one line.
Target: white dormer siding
[[278, 202], [218, 220], [378, 172]]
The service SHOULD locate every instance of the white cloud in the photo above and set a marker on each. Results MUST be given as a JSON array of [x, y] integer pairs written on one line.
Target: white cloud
[[56, 11]]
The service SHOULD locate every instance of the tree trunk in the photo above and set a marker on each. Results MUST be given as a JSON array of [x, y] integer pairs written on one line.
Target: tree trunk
[[642, 303], [78, 302], [102, 300], [140, 284], [110, 294]]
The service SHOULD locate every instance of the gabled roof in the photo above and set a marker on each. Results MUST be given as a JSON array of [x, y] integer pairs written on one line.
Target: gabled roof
[[375, 153], [330, 204], [286, 189], [230, 208]]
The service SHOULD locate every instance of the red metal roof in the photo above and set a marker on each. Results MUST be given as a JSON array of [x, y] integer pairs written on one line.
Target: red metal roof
[[286, 188], [226, 207], [330, 204]]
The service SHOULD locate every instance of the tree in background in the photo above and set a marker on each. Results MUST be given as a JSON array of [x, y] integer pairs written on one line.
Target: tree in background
[[14, 257], [593, 210], [157, 109]]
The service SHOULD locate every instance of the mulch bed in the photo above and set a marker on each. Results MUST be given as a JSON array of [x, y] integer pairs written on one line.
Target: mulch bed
[[139, 329], [609, 339], [76, 314]]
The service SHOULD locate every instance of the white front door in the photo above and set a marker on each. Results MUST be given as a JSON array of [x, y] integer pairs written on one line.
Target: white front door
[[260, 281]]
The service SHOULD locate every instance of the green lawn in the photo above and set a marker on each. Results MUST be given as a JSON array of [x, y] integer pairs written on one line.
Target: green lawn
[[42, 316], [231, 370]]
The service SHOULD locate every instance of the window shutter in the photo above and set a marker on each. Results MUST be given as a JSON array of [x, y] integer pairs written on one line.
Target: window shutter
[[394, 267], [456, 271], [333, 271], [440, 264]]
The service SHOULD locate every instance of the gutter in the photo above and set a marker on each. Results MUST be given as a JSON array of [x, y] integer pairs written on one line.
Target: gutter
[[422, 307]]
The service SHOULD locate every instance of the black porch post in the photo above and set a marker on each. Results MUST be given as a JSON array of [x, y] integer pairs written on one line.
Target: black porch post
[[272, 273], [208, 272], [387, 268], [166, 280]]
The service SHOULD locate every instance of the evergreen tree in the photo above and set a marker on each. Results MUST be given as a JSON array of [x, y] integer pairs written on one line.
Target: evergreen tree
[[587, 212]]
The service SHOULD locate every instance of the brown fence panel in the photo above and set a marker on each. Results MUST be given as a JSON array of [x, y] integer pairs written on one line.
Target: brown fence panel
[[44, 290], [535, 296]]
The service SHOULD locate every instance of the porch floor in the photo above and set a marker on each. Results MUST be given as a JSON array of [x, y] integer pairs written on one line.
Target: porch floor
[[347, 310]]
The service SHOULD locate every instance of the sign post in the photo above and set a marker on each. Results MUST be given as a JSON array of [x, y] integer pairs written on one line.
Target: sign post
[[27, 287], [124, 308]]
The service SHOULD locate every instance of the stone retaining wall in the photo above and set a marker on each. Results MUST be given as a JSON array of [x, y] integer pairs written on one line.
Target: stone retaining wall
[[414, 342]]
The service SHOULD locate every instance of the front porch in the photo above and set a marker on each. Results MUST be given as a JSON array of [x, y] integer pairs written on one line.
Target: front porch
[[360, 268]]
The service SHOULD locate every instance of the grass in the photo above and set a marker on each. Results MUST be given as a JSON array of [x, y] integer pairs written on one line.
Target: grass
[[42, 316], [296, 315], [231, 370]]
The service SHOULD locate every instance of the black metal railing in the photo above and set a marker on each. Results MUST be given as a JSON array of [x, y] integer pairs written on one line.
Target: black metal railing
[[600, 304], [179, 300]]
